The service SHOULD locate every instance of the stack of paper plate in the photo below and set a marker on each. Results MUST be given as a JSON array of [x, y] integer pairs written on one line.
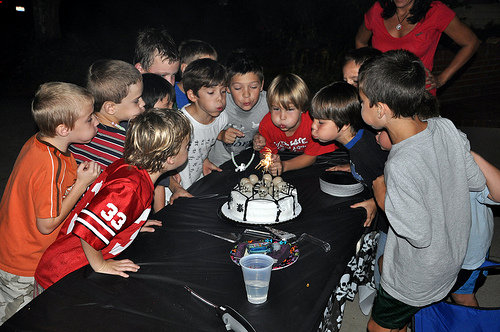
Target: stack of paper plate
[[340, 184]]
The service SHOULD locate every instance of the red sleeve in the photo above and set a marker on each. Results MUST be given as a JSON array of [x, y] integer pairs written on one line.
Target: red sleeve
[[441, 15], [115, 207], [373, 15], [266, 129]]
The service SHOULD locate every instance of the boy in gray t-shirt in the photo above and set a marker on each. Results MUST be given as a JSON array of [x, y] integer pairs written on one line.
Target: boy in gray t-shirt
[[428, 175], [245, 106]]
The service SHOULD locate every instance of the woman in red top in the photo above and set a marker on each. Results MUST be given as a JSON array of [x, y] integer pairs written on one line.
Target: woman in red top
[[416, 26]]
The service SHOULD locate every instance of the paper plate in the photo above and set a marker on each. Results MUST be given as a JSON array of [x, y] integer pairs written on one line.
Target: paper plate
[[286, 255], [340, 184]]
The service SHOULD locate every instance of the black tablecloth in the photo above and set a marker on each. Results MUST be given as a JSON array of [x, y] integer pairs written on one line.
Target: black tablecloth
[[154, 299]]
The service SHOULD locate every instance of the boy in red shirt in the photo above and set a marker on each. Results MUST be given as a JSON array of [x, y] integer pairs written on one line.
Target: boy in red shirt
[[116, 207], [287, 126]]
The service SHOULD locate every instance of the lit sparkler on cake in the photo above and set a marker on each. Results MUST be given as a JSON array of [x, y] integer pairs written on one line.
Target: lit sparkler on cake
[[265, 162]]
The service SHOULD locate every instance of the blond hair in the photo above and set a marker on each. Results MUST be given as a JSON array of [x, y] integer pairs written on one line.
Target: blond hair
[[154, 136], [109, 80], [58, 103], [286, 89]]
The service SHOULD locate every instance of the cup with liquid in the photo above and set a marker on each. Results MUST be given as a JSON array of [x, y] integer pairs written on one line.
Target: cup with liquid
[[256, 274]]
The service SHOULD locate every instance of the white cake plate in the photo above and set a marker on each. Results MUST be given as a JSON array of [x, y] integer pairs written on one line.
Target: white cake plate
[[227, 213]]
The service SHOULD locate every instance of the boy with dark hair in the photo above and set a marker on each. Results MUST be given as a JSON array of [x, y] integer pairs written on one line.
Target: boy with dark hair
[[43, 187], [353, 60], [205, 82], [245, 107], [336, 111], [116, 207], [156, 52], [189, 51], [157, 92], [428, 175], [117, 88]]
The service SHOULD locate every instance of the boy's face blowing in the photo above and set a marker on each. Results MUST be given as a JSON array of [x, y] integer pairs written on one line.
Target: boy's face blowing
[[287, 120], [211, 100], [245, 90], [85, 127], [324, 130]]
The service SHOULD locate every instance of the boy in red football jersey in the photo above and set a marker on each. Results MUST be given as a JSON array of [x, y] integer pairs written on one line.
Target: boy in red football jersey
[[105, 222]]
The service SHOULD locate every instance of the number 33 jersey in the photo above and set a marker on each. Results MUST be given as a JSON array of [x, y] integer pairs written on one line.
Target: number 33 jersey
[[108, 217]]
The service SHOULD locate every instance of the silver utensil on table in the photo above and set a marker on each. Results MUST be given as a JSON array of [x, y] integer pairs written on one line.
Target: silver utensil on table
[[235, 237], [286, 236]]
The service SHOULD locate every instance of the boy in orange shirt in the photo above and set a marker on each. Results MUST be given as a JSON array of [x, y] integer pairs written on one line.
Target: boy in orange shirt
[[43, 187]]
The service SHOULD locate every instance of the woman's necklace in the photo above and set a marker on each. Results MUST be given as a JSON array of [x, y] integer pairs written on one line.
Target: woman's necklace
[[399, 26], [116, 125]]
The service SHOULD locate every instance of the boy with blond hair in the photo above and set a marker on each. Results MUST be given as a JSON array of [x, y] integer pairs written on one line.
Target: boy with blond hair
[[189, 51], [287, 126], [43, 187], [428, 176], [156, 53], [205, 82], [117, 89], [116, 207]]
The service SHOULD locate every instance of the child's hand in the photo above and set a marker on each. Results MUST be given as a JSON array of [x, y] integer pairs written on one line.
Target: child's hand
[[229, 135], [88, 171], [276, 167], [208, 167], [147, 227], [340, 168], [259, 142], [112, 266], [178, 192], [371, 210]]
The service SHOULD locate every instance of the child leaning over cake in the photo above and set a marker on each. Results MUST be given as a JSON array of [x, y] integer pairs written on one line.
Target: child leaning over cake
[[287, 126], [105, 222]]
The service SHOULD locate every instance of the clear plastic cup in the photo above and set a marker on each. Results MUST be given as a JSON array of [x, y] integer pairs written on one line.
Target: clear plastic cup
[[256, 274]]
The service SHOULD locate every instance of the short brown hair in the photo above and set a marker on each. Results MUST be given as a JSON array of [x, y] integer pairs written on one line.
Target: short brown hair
[[58, 103], [204, 73], [153, 42], [154, 136], [109, 80], [286, 89]]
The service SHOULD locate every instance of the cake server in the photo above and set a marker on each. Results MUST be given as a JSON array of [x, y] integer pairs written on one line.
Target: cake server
[[230, 237], [233, 320], [286, 236]]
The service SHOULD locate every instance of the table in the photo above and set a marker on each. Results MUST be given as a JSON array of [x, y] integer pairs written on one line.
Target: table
[[154, 298]]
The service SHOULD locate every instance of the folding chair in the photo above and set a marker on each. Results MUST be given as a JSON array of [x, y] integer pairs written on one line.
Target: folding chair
[[449, 317]]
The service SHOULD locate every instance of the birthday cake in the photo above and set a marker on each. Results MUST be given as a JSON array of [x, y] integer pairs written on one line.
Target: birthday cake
[[263, 201]]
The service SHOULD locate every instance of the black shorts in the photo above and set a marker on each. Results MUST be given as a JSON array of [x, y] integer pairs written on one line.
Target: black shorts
[[391, 313]]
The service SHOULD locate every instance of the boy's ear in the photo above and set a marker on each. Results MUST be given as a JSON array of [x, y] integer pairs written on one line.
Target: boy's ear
[[139, 68], [109, 107], [383, 110], [170, 160], [62, 130], [191, 96], [183, 66], [262, 85]]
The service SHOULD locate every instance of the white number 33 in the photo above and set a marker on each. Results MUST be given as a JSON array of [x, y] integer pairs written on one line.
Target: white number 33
[[111, 213]]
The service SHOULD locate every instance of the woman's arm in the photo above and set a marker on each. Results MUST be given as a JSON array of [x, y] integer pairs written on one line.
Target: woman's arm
[[363, 36], [492, 175], [461, 34]]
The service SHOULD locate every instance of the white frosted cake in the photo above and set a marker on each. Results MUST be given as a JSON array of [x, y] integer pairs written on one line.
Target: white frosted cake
[[262, 202]]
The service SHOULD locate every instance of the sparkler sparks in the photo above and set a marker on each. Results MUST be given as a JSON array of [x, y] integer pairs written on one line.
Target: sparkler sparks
[[266, 161]]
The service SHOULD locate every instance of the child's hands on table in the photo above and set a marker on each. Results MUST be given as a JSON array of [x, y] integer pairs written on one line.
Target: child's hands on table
[[115, 267], [148, 225], [341, 168], [209, 166], [371, 210]]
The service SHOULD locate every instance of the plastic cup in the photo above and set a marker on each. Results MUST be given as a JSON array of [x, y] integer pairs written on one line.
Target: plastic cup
[[257, 274]]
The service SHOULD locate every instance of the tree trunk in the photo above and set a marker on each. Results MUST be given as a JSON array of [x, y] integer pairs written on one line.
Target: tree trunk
[[46, 18]]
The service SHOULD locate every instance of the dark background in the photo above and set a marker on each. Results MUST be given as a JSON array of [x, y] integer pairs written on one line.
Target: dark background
[[309, 38]]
